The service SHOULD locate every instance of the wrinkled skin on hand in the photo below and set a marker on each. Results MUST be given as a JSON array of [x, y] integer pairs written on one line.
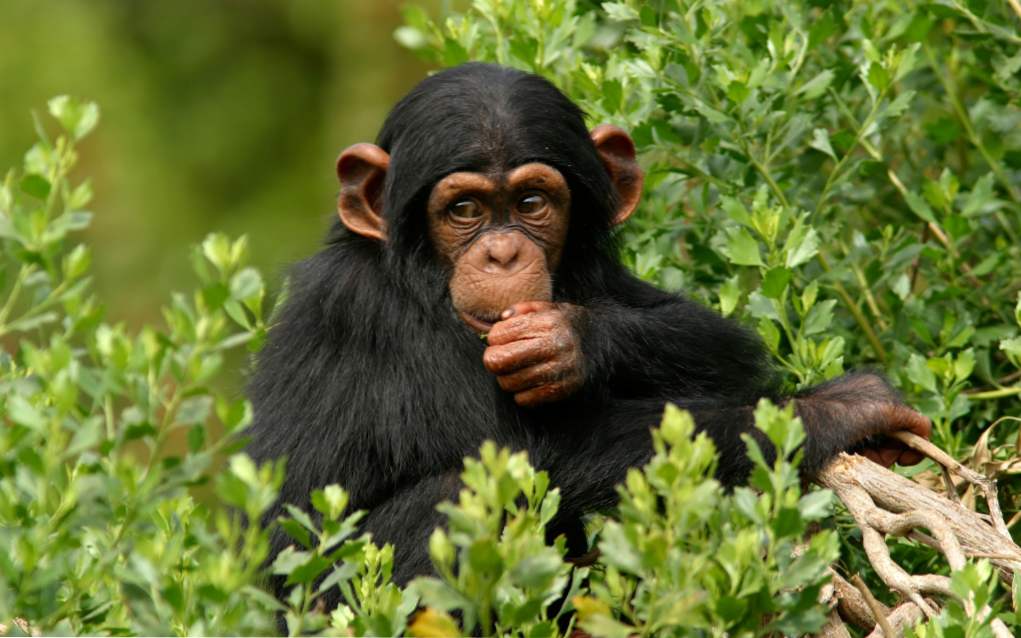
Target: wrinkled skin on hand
[[535, 353]]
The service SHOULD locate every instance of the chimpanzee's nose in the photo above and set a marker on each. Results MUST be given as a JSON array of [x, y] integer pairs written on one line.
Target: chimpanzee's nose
[[502, 251]]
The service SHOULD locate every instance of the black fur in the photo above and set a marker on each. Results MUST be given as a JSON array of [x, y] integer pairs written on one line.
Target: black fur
[[369, 380]]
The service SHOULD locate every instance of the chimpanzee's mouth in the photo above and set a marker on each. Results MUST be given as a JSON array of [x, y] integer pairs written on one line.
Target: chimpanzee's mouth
[[478, 323]]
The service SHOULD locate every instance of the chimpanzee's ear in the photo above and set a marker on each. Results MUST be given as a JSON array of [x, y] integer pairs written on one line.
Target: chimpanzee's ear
[[362, 169], [617, 152]]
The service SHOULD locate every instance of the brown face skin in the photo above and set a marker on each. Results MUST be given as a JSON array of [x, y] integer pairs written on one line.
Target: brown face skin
[[503, 236]]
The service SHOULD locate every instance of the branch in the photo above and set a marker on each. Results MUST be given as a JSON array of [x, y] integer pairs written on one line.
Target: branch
[[886, 504]]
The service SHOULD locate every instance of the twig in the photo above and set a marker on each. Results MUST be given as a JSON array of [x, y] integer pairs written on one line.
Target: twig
[[877, 611], [985, 485]]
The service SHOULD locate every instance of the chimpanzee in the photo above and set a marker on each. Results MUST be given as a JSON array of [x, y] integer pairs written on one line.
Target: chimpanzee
[[471, 290]]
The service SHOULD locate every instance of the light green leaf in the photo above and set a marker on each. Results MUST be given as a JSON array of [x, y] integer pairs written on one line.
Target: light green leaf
[[919, 373], [821, 142], [802, 244], [919, 206], [742, 249], [730, 295], [815, 87]]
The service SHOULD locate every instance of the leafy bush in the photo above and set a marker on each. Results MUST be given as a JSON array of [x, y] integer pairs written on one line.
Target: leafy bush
[[845, 177]]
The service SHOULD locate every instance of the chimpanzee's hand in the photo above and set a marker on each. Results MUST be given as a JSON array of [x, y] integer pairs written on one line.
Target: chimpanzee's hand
[[859, 409], [535, 353]]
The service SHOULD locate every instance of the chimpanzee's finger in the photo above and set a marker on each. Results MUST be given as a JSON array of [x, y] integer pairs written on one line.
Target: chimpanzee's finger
[[547, 393], [531, 377], [872, 454], [883, 455], [905, 418], [888, 456], [527, 326], [516, 355], [910, 457]]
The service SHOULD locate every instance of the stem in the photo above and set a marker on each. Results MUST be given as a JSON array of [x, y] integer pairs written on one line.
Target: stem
[[994, 394], [12, 297], [843, 160], [856, 312], [764, 171], [1016, 6]]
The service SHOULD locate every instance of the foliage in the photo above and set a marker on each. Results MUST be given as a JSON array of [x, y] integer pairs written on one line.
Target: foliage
[[843, 176], [681, 557], [106, 431]]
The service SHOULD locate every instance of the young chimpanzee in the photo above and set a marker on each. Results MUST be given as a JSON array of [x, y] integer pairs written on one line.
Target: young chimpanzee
[[486, 209]]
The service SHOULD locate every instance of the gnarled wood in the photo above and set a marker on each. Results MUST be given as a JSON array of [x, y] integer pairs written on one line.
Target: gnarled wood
[[896, 494], [883, 504]]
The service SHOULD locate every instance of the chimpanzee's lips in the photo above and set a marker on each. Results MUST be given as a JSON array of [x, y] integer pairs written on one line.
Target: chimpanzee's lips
[[481, 325]]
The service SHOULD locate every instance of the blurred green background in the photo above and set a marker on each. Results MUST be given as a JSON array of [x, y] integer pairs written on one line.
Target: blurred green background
[[217, 115]]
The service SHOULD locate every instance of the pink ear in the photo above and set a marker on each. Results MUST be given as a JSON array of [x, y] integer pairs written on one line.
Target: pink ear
[[617, 152], [362, 170]]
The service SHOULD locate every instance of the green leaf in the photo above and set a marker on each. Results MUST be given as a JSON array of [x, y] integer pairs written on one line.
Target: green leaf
[[919, 207], [878, 77], [735, 210], [76, 117], [307, 571], [770, 334], [742, 249], [410, 37], [618, 551], [918, 372], [35, 185], [802, 244], [296, 531], [331, 501], [981, 197], [899, 105], [775, 282], [537, 570], [816, 505], [819, 318], [730, 295], [217, 249], [619, 12], [815, 87], [24, 413], [247, 283], [821, 142]]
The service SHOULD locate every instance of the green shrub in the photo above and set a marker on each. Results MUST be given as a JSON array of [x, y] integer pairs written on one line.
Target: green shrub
[[844, 176]]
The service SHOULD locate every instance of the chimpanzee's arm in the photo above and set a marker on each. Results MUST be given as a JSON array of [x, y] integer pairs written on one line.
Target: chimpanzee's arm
[[670, 348]]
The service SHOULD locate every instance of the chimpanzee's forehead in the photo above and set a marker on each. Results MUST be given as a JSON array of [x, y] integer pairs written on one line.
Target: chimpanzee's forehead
[[483, 118]]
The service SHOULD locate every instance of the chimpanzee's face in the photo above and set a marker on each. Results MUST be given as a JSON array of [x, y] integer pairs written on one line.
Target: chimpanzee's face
[[502, 235], [499, 234]]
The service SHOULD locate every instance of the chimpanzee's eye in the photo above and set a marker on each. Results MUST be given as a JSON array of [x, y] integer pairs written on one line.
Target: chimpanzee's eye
[[465, 209], [531, 203]]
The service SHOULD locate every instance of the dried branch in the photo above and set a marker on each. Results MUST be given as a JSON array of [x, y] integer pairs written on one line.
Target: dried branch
[[883, 504]]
